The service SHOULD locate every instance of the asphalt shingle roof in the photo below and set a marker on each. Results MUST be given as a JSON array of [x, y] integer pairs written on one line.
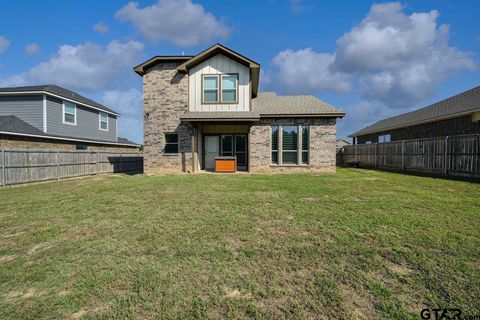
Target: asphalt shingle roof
[[458, 104], [270, 104], [59, 91], [15, 125]]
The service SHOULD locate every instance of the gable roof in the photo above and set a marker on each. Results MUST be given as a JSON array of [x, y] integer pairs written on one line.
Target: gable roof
[[59, 92], [270, 104], [142, 67], [11, 125], [463, 103], [188, 62]]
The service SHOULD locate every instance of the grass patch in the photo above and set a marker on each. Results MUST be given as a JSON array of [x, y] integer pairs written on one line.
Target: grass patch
[[359, 244]]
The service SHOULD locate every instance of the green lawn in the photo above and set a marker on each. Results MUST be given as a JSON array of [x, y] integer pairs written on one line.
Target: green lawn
[[358, 244]]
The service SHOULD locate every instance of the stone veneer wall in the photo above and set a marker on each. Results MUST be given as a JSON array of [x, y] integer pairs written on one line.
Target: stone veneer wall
[[322, 145], [165, 98], [18, 142]]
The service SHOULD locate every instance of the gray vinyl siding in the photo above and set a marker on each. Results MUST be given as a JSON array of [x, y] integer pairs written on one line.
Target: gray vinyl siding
[[87, 126], [26, 108]]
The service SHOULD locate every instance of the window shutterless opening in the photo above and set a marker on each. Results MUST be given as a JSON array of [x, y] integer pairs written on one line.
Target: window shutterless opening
[[220, 88], [69, 113], [293, 151], [103, 119], [171, 143]]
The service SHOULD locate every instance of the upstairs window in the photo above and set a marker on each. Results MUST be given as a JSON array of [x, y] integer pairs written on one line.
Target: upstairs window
[[171, 143], [69, 113], [229, 88], [103, 121], [210, 89], [220, 88]]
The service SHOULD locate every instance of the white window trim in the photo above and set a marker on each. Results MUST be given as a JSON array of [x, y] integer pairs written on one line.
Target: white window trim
[[100, 121], [63, 114]]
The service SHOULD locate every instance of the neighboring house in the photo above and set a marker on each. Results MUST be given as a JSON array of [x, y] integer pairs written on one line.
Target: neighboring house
[[197, 108], [342, 143], [456, 115], [51, 117]]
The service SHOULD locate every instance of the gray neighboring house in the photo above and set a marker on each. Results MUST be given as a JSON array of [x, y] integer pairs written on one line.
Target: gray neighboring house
[[197, 108], [49, 116]]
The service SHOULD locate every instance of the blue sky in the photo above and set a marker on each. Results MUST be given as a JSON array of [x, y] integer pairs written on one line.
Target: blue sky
[[370, 59]]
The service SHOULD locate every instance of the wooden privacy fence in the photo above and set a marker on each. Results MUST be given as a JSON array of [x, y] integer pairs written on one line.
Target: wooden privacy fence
[[453, 155], [20, 166]]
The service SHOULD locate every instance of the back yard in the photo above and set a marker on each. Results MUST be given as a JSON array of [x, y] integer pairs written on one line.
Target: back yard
[[358, 244]]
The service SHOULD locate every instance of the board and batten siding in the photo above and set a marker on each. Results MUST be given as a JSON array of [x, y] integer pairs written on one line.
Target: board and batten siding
[[87, 126], [26, 108], [219, 64]]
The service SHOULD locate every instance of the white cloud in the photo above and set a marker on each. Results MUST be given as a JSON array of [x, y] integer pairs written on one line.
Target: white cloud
[[4, 44], [178, 21], [299, 6], [129, 104], [101, 27], [32, 49], [394, 58], [87, 66], [306, 71]]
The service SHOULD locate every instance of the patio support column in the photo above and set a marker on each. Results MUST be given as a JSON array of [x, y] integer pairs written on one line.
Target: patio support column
[[280, 145], [299, 144], [194, 131]]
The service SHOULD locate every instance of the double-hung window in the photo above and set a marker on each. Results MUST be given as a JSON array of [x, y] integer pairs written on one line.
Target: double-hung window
[[69, 113], [290, 145], [384, 138], [210, 89], [220, 88], [103, 118], [171, 143], [229, 88]]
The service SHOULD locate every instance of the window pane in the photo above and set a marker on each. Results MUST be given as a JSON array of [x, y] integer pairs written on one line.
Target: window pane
[[229, 82], [210, 96], [229, 95], [210, 82], [240, 143], [171, 148], [305, 138], [171, 137], [274, 137], [290, 138], [69, 108], [103, 125], [103, 117], [274, 157], [305, 157], [69, 118], [227, 145], [289, 157]]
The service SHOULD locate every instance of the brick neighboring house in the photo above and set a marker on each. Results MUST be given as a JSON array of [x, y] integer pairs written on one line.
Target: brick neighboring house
[[197, 108], [456, 115], [52, 117]]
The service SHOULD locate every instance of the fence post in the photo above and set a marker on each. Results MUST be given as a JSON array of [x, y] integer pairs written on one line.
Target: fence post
[[445, 160], [96, 155], [403, 154], [4, 179], [121, 163], [58, 165], [375, 156]]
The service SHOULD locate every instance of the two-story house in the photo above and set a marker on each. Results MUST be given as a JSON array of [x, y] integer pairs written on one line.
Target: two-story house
[[51, 117], [197, 108]]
